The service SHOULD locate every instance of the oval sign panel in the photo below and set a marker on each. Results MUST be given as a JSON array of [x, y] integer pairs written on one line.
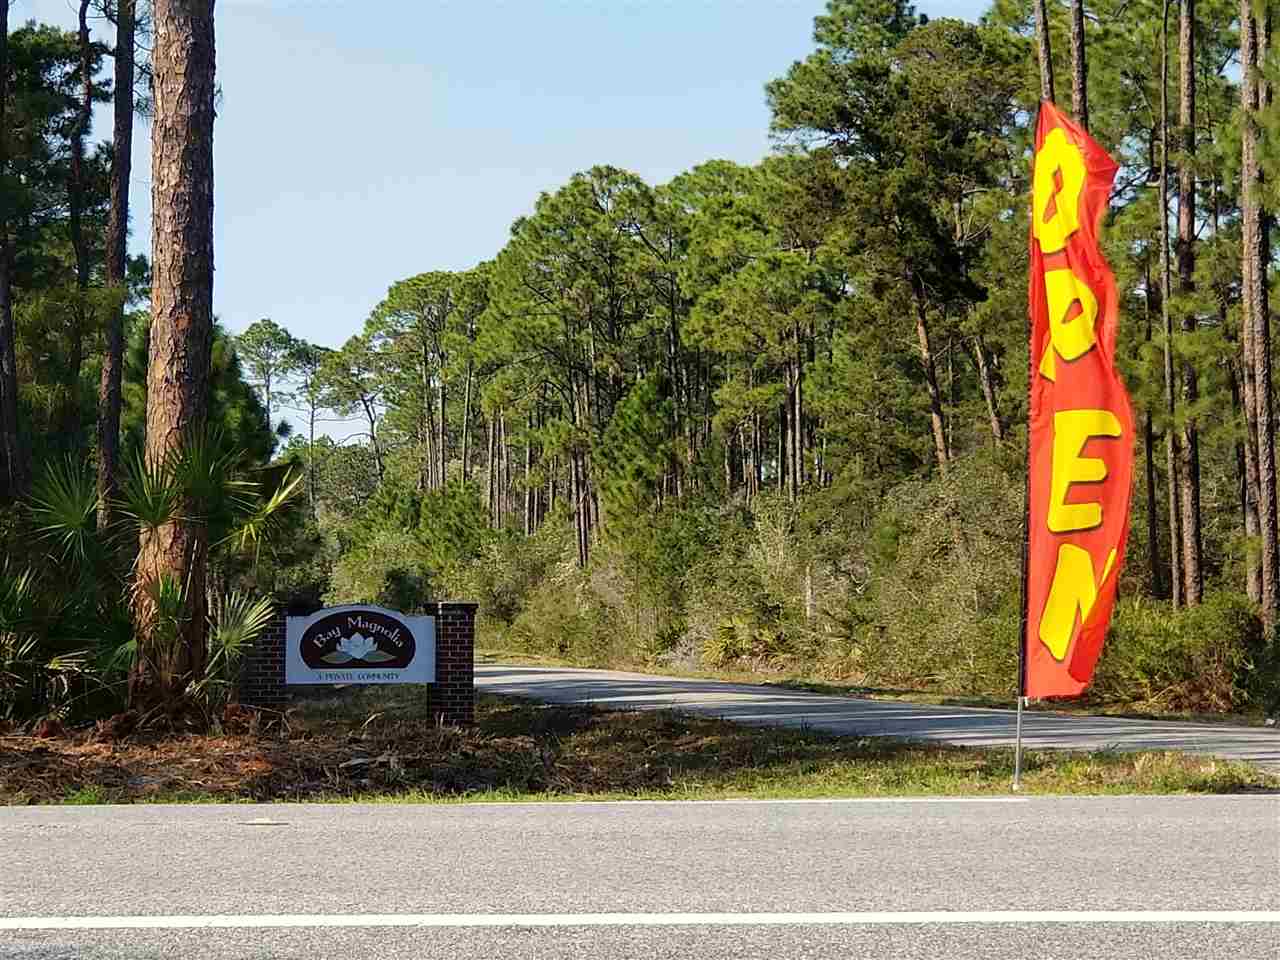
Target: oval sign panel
[[365, 638], [360, 645]]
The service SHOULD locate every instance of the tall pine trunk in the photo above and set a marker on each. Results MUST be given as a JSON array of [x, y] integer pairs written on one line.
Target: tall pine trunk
[[936, 419], [987, 380], [491, 487], [13, 472], [176, 553], [1043, 53], [530, 500], [1256, 327], [109, 387], [798, 451], [1253, 567], [466, 426], [311, 460], [553, 487], [76, 192], [782, 449], [375, 441], [426, 459], [1250, 255], [1234, 387], [427, 429], [504, 450], [1248, 520], [442, 451], [1268, 508], [1149, 452], [578, 489], [1192, 540], [1173, 460], [1079, 68]]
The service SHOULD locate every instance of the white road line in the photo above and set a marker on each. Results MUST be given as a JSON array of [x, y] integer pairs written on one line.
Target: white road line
[[943, 917], [737, 801]]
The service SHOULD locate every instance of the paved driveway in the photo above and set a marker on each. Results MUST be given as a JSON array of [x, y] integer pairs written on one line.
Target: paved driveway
[[963, 726]]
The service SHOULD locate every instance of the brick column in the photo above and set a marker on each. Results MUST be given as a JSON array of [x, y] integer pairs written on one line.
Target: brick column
[[262, 669], [452, 698]]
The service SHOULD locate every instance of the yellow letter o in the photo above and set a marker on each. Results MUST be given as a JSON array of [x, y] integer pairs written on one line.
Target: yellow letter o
[[1062, 157]]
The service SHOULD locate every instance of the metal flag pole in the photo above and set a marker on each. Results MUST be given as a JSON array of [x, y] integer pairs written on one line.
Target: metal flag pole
[[1026, 574], [1022, 632], [1026, 555], [1017, 750], [1026, 592]]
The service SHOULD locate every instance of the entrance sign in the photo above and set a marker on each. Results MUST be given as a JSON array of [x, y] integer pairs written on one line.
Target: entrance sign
[[360, 644]]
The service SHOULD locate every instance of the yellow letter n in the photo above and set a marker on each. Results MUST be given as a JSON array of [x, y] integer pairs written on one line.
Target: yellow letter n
[[1074, 591]]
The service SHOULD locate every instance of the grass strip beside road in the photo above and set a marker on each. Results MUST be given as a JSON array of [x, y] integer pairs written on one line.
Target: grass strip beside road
[[379, 744]]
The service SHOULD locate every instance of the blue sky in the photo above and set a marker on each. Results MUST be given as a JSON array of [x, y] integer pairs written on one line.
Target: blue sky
[[362, 141]]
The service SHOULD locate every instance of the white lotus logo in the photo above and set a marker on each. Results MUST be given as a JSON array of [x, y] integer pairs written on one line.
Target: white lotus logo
[[357, 647]]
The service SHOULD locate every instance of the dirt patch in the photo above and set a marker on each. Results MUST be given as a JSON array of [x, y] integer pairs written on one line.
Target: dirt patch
[[325, 748]]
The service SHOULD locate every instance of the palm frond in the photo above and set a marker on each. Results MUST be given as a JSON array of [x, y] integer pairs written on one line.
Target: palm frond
[[237, 622], [151, 494], [255, 526], [64, 505], [169, 595], [17, 598], [206, 472], [115, 659]]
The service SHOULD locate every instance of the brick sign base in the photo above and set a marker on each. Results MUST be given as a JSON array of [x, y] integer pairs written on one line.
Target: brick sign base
[[451, 699]]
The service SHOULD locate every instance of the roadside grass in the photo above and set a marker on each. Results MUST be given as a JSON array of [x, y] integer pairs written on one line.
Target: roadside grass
[[378, 744], [764, 677]]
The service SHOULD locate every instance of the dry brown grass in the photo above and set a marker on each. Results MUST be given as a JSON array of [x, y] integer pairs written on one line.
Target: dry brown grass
[[380, 744]]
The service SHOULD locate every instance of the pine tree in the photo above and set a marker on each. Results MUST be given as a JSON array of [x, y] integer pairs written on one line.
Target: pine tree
[[109, 389], [1189, 503], [12, 456], [173, 556], [1255, 324]]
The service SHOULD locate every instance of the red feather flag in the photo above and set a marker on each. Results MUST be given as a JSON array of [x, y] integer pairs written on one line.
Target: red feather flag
[[1081, 425]]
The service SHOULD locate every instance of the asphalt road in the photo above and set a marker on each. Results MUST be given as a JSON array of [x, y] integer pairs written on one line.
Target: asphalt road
[[964, 726], [1014, 877]]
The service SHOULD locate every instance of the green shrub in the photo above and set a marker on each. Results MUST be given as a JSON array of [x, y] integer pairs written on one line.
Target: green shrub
[[770, 592], [453, 529], [40, 675], [643, 570], [509, 568], [938, 605], [387, 568], [1207, 658], [563, 617]]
